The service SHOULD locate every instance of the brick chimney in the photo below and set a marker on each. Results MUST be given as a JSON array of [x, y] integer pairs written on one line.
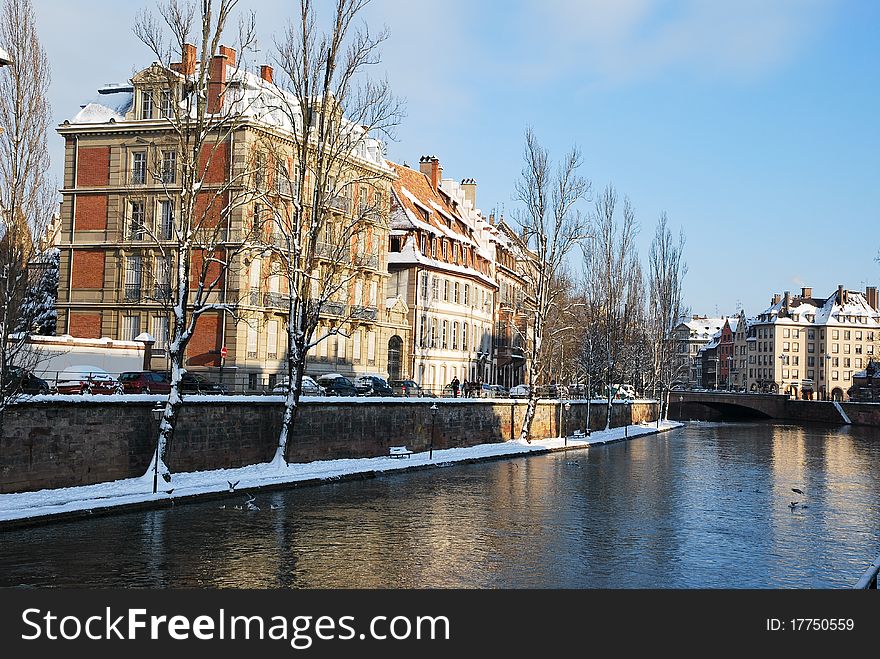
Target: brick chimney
[[775, 299], [469, 186], [430, 167], [871, 297], [187, 64], [841, 294], [806, 293], [266, 73], [217, 78], [787, 303]]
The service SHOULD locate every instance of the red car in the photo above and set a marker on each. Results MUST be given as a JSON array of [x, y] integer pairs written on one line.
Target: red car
[[86, 380], [145, 382]]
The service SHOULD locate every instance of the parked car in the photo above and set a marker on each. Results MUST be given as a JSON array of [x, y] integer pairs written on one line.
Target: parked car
[[623, 391], [373, 385], [499, 391], [337, 385], [520, 391], [309, 387], [145, 382], [86, 379], [195, 383], [17, 380], [409, 389]]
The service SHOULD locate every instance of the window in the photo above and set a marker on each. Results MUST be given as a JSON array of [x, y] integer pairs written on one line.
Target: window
[[444, 335], [424, 286], [795, 346], [786, 345], [846, 334], [272, 340], [445, 253], [166, 111], [422, 241], [811, 347], [169, 166], [433, 248], [846, 362], [433, 332], [858, 335], [446, 290], [251, 342], [847, 375], [162, 269], [464, 336], [811, 334], [434, 288], [455, 335], [136, 220], [341, 346], [846, 348], [467, 294], [835, 348], [835, 361], [131, 327], [423, 332], [858, 362], [455, 253], [166, 215], [811, 361], [147, 104], [160, 332], [138, 168], [835, 334], [786, 333], [456, 290]]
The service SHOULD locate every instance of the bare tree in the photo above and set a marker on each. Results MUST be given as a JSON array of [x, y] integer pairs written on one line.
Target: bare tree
[[202, 107], [610, 281], [551, 226], [667, 271], [28, 196], [333, 177]]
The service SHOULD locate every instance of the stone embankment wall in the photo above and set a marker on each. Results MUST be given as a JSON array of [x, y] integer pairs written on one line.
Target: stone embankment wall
[[73, 441]]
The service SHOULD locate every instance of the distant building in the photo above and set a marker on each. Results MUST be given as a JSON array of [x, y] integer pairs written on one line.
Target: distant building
[[807, 346], [691, 335]]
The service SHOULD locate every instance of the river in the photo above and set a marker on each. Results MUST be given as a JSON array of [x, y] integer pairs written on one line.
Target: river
[[706, 506]]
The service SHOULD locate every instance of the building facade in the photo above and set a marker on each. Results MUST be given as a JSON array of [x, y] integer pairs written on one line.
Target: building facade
[[121, 193], [690, 336], [812, 347]]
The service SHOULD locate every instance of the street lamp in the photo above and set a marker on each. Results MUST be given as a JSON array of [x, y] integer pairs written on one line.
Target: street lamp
[[157, 412], [628, 403], [433, 419], [729, 367]]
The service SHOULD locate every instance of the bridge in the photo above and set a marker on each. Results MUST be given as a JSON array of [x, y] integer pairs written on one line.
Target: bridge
[[723, 405]]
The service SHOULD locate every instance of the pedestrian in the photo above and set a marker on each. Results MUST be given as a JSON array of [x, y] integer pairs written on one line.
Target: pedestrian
[[455, 386]]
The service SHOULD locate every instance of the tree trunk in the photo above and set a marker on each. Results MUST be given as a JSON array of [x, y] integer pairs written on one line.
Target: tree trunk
[[531, 407]]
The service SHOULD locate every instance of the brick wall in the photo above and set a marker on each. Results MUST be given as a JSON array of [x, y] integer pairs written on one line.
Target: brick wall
[[85, 325], [93, 166], [88, 269], [63, 444], [204, 347], [91, 212], [214, 162]]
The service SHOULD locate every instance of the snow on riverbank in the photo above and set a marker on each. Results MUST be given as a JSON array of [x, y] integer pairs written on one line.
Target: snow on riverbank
[[132, 491]]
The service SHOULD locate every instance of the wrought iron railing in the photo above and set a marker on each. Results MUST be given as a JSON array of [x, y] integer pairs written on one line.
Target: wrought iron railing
[[364, 313]]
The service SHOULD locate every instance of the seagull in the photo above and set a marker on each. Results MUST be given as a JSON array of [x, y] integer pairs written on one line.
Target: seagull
[[223, 507], [794, 489], [272, 506], [250, 503], [169, 491], [793, 505], [232, 485], [573, 463]]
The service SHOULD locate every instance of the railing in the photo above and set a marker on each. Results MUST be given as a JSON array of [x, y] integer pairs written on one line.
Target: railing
[[133, 292], [368, 261], [340, 203], [276, 300], [254, 297], [162, 292], [869, 578], [365, 313], [333, 309]]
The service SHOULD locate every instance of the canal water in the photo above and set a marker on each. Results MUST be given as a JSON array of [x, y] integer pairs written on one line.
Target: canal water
[[704, 506]]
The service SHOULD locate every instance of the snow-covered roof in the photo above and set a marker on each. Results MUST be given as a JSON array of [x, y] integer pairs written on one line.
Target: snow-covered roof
[[410, 255], [809, 311], [704, 328]]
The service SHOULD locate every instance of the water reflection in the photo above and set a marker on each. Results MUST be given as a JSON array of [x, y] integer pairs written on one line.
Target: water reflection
[[706, 506]]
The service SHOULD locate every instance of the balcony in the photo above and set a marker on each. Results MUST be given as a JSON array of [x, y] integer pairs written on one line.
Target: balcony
[[339, 203], [333, 309], [368, 261], [133, 293], [276, 300], [365, 313], [253, 297], [162, 292]]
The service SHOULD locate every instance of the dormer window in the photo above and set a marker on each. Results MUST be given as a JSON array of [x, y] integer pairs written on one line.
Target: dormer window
[[166, 109], [146, 104]]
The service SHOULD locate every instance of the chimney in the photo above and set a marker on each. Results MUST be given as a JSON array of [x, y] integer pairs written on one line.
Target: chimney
[[469, 186], [841, 295], [775, 299], [806, 293], [187, 64], [230, 55], [871, 296], [266, 73], [430, 167], [217, 78], [787, 303]]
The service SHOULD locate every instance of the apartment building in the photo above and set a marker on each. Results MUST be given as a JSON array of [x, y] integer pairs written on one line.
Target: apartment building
[[690, 336], [811, 347], [440, 264], [122, 191]]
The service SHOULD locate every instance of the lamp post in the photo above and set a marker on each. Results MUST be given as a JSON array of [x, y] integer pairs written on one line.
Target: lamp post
[[628, 403], [729, 372], [157, 412], [433, 419]]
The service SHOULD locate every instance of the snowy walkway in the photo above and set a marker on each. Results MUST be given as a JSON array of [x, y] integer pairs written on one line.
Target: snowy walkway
[[137, 492]]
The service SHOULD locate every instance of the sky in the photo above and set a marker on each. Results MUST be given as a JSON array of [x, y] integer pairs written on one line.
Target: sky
[[752, 125]]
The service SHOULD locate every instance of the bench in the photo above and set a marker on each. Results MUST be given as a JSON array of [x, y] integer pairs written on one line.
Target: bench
[[399, 452]]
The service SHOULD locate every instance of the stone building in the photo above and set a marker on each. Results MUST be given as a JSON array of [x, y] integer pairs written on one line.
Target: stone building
[[122, 190], [690, 335], [811, 347]]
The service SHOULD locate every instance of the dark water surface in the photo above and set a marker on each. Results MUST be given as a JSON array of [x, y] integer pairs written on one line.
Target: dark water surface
[[704, 506]]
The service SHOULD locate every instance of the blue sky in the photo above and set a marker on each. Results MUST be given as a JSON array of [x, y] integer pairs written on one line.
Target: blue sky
[[752, 124]]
